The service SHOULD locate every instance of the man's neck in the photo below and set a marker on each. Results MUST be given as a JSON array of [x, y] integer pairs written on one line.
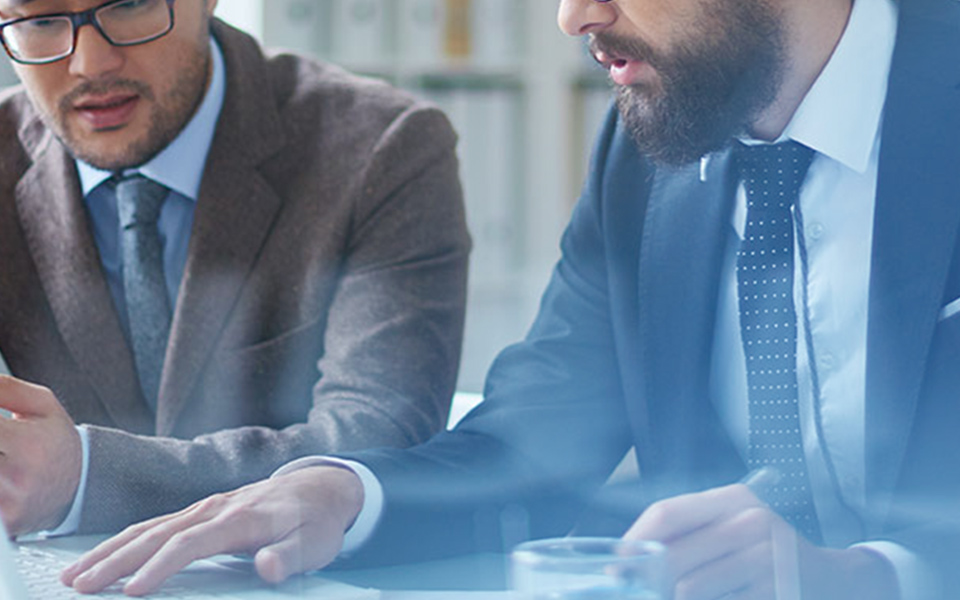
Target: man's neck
[[814, 28]]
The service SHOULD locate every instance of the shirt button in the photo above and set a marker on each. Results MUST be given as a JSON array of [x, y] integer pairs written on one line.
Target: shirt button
[[815, 231], [827, 362]]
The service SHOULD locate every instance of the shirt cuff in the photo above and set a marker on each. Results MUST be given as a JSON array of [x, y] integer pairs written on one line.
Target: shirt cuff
[[366, 521], [71, 523], [917, 580]]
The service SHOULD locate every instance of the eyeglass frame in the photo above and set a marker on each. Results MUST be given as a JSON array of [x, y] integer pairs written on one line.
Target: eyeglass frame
[[77, 20]]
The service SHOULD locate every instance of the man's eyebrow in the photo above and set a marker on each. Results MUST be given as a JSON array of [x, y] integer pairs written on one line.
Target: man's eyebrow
[[13, 4], [13, 9], [8, 4]]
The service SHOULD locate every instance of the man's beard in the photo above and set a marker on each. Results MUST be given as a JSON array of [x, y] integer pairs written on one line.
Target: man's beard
[[170, 115], [711, 87]]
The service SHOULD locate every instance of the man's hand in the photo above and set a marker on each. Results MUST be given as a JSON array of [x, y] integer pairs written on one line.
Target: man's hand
[[40, 458], [291, 523], [725, 543]]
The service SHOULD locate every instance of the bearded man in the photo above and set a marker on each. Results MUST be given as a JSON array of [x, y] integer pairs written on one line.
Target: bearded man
[[762, 274]]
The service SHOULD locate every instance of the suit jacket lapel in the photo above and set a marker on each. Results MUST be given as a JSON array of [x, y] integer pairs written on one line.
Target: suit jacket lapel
[[55, 224], [235, 211], [685, 233], [915, 228]]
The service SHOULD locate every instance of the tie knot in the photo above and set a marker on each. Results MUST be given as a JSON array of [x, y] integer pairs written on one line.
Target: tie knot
[[139, 200], [772, 173]]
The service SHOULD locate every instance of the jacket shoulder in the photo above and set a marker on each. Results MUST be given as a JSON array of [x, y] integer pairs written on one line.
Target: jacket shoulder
[[313, 95]]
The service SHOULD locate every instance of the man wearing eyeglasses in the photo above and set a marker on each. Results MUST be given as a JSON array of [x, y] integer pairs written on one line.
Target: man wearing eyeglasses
[[213, 262], [759, 291]]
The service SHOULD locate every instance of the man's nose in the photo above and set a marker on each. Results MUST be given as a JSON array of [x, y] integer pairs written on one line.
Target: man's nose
[[580, 17], [94, 56]]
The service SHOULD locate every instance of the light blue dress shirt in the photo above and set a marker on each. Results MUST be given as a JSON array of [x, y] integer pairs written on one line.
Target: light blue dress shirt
[[179, 167], [840, 118]]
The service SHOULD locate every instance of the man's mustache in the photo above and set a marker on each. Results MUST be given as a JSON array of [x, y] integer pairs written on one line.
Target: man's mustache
[[105, 88], [619, 47]]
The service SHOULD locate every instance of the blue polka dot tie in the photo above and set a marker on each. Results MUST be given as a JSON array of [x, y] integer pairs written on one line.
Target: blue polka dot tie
[[148, 308], [772, 175]]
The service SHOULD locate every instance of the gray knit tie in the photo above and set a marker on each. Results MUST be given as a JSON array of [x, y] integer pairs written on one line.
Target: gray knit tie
[[148, 308], [772, 175]]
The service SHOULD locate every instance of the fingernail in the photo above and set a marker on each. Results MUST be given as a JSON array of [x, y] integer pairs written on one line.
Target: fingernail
[[82, 582], [135, 587]]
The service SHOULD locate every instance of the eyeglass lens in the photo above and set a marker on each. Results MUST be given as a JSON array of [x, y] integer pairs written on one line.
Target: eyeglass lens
[[46, 38]]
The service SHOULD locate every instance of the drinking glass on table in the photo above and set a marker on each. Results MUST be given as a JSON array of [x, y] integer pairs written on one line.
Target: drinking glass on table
[[592, 568]]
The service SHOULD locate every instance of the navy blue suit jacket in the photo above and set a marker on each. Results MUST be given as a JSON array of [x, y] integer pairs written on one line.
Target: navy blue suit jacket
[[619, 354]]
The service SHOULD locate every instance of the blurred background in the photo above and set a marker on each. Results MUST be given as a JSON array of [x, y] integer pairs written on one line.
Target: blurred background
[[525, 99]]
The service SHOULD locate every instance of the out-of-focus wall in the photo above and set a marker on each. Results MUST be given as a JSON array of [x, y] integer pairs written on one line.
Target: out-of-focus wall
[[7, 76]]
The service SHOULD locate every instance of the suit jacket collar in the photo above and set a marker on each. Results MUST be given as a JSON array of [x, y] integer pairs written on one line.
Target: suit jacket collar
[[234, 214], [55, 226], [915, 228]]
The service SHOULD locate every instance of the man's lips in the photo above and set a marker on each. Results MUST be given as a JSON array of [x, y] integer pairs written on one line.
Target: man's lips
[[107, 112], [623, 71]]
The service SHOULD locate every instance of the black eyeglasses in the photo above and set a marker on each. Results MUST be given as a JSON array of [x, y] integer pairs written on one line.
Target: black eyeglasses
[[43, 39]]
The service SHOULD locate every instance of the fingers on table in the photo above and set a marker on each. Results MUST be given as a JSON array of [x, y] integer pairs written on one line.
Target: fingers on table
[[158, 548]]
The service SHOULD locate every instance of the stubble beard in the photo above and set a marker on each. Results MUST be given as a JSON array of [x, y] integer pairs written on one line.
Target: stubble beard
[[708, 89], [169, 115]]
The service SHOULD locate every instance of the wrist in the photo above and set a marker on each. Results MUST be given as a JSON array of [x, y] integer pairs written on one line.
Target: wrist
[[66, 483], [340, 488]]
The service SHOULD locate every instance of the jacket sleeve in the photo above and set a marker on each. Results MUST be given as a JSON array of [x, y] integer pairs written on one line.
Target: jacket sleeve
[[551, 427]]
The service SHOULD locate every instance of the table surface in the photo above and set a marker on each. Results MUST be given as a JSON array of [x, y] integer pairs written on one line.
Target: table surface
[[476, 577]]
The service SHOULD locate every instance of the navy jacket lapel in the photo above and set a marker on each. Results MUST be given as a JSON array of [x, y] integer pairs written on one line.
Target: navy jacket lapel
[[685, 231], [915, 228]]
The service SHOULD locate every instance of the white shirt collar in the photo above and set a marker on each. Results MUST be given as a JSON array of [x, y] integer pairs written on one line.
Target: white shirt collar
[[841, 114], [180, 165]]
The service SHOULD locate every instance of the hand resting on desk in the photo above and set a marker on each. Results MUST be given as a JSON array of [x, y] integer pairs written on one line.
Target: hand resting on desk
[[290, 524]]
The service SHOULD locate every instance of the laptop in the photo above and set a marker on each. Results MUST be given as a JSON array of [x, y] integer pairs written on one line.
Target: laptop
[[30, 571]]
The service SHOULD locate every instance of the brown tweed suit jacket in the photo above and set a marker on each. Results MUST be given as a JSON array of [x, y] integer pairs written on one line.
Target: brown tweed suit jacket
[[321, 307]]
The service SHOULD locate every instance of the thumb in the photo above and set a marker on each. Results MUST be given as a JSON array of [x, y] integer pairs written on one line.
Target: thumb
[[25, 399], [294, 554]]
